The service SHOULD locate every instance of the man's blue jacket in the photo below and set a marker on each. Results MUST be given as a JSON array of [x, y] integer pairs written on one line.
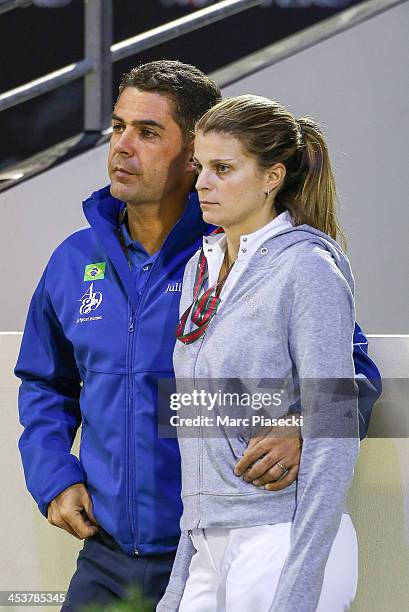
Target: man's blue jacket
[[92, 352]]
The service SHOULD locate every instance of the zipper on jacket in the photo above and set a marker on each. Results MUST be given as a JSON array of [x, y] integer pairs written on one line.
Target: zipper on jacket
[[130, 429], [132, 332], [200, 440]]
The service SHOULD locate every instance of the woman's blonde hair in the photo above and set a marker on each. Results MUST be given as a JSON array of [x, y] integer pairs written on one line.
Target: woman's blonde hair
[[271, 134]]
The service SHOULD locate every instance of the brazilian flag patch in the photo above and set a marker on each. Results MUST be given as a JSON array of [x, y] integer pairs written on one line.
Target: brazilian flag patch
[[95, 271]]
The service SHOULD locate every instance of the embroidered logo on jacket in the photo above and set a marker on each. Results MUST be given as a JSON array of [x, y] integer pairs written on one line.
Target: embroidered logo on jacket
[[253, 305], [173, 287], [94, 271], [90, 300]]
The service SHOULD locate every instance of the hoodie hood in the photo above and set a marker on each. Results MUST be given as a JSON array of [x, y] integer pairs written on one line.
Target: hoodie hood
[[303, 234]]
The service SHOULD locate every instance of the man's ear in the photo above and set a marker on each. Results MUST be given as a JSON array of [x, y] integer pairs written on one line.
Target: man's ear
[[190, 166]]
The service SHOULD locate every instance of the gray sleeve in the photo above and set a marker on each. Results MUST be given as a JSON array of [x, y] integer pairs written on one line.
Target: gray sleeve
[[321, 323], [180, 572]]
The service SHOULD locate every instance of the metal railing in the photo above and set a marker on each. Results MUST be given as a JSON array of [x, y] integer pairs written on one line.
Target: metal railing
[[100, 53], [9, 5]]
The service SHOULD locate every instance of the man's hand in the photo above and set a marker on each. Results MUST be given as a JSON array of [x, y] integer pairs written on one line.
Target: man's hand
[[260, 462], [72, 510]]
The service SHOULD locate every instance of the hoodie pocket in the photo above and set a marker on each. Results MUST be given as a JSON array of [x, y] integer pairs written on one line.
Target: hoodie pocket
[[219, 457], [238, 445]]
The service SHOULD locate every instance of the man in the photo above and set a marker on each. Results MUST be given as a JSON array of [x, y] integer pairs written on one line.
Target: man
[[103, 316]]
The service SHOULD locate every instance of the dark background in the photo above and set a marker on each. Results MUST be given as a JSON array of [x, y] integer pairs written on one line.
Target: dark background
[[36, 41]]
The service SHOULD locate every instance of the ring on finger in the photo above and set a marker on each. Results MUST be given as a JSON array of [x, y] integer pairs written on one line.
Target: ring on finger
[[282, 466]]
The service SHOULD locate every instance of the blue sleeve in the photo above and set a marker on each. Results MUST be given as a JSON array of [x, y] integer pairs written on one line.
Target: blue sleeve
[[368, 379], [48, 403]]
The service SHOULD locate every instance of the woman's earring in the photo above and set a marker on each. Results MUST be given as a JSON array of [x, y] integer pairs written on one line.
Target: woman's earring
[[267, 193]]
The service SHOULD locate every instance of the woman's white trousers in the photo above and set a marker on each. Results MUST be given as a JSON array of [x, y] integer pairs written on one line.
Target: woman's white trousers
[[237, 570]]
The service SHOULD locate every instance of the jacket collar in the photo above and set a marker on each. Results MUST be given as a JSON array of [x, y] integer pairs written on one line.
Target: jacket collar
[[103, 214]]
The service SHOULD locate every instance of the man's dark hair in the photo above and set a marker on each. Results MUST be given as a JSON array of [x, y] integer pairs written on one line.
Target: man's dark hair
[[191, 91]]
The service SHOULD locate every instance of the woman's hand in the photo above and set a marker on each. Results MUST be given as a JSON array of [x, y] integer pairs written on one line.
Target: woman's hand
[[272, 458]]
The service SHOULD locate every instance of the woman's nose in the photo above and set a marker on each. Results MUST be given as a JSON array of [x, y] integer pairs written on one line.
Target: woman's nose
[[202, 181]]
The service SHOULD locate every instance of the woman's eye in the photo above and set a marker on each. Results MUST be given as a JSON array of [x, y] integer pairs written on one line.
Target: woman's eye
[[197, 166], [222, 168]]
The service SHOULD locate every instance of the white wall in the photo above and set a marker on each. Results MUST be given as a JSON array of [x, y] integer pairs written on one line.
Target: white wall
[[33, 555], [356, 84], [36, 216]]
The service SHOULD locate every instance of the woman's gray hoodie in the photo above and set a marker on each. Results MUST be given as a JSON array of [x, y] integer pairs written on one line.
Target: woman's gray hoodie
[[289, 318]]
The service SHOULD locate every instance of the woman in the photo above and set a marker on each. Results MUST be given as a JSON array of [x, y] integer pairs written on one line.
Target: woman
[[253, 303]]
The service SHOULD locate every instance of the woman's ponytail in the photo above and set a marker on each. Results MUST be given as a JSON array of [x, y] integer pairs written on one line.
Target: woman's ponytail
[[315, 198]]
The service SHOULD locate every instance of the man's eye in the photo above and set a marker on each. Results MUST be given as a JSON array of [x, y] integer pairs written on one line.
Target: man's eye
[[117, 127], [148, 134], [222, 168]]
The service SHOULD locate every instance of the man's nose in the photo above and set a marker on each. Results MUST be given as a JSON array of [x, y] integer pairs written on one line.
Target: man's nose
[[125, 143]]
